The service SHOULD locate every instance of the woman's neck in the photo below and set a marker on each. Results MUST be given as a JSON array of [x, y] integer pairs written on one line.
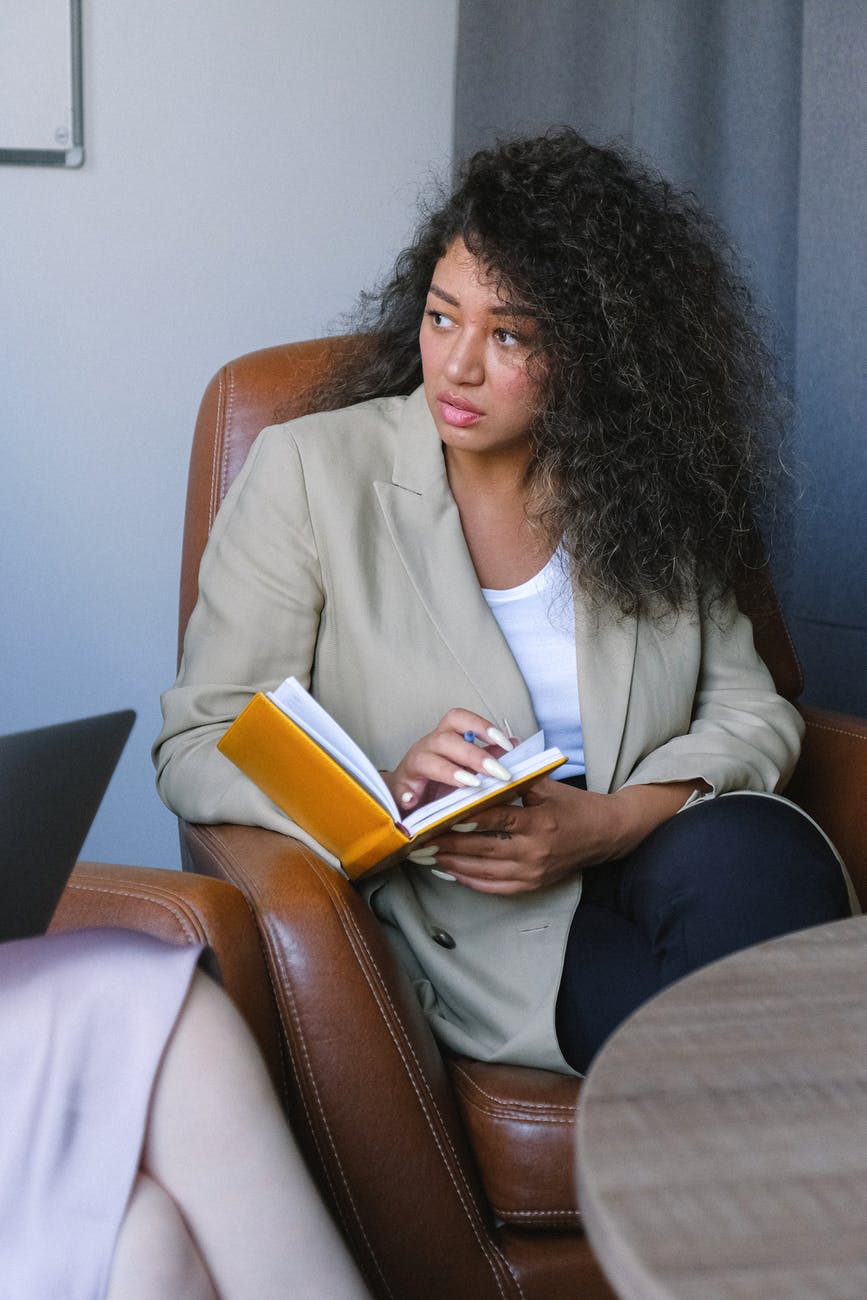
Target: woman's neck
[[492, 495]]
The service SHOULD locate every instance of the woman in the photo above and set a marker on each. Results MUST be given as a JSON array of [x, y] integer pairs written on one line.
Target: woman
[[530, 508], [144, 1152]]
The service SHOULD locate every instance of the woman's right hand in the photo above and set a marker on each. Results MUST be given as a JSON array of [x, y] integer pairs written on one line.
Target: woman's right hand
[[444, 759]]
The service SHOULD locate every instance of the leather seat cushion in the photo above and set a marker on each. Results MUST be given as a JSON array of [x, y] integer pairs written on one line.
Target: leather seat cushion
[[522, 1126]]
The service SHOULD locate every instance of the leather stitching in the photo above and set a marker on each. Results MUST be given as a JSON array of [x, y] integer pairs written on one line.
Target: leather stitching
[[194, 934], [514, 1109], [227, 435], [299, 1038], [379, 991], [519, 1116], [569, 1216], [568, 1119], [836, 731]]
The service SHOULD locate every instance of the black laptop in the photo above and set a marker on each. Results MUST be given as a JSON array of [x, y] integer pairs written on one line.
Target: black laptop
[[51, 783]]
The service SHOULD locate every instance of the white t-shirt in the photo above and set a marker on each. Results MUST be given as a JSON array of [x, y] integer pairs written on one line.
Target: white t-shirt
[[538, 621]]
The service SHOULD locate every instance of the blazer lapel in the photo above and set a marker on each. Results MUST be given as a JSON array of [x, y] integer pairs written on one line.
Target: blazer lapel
[[425, 526], [605, 647]]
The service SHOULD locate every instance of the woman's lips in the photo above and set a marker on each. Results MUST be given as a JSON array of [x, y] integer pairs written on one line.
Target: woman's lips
[[457, 411]]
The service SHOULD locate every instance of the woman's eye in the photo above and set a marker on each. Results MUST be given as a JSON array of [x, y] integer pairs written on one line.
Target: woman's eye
[[507, 337], [440, 319]]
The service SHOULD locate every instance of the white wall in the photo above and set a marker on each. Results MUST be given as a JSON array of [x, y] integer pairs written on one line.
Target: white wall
[[249, 169]]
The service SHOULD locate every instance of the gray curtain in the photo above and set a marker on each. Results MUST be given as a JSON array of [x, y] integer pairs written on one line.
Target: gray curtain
[[760, 108]]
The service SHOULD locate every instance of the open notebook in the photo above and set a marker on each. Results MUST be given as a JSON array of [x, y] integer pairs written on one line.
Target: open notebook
[[307, 764], [51, 783]]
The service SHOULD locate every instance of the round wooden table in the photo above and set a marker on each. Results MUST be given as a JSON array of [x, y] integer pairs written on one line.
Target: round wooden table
[[723, 1130]]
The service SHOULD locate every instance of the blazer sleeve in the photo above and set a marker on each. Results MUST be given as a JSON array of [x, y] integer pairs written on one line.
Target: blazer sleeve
[[256, 622], [742, 734]]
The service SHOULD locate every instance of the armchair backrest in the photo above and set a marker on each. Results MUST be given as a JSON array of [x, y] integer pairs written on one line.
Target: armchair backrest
[[254, 390], [276, 384]]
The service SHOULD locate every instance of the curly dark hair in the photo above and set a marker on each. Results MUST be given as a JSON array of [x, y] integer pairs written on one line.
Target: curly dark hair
[[654, 450]]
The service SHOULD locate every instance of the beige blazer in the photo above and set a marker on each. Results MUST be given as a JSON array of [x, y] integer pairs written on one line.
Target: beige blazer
[[338, 557]]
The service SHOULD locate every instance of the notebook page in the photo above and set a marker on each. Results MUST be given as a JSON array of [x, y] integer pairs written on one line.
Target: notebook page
[[299, 704]]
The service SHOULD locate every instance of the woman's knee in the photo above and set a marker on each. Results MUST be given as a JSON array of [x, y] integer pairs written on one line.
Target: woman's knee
[[744, 843], [154, 1253], [211, 1043], [728, 873]]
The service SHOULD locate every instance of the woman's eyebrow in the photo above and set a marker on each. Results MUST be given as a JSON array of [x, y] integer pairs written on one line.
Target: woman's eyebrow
[[441, 293], [502, 309], [512, 309]]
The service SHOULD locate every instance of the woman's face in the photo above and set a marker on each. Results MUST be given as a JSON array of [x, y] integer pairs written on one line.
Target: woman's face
[[475, 347]]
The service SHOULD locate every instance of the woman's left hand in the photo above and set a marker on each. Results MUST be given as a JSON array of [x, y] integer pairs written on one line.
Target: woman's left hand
[[559, 830], [514, 848]]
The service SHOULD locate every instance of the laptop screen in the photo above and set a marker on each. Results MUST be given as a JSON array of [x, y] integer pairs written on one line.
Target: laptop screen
[[52, 781]]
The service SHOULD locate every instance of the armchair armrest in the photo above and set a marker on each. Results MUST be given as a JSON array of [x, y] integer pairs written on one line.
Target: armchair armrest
[[372, 1101], [183, 909], [830, 782]]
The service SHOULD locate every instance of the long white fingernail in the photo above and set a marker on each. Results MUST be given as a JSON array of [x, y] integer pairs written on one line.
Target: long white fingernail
[[407, 796], [424, 857], [498, 738], [467, 778], [493, 768], [466, 827], [443, 875]]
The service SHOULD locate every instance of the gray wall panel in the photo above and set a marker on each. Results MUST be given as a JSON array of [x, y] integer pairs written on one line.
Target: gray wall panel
[[832, 311]]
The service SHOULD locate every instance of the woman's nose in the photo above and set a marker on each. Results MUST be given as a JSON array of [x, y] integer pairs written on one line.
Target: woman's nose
[[465, 362]]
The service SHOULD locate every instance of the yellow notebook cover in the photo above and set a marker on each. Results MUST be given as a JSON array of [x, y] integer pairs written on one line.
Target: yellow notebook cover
[[314, 790]]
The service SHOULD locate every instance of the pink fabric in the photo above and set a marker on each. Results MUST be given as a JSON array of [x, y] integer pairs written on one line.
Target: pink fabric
[[84, 1020]]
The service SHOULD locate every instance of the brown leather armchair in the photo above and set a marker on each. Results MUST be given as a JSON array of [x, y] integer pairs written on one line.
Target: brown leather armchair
[[449, 1177]]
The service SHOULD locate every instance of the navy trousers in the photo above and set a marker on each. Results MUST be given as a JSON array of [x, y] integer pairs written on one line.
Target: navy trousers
[[722, 875]]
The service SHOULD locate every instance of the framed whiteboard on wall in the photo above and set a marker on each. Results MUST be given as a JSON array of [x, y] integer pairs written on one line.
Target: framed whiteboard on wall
[[40, 83]]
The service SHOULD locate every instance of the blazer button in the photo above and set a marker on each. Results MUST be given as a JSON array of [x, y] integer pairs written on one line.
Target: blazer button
[[443, 938]]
